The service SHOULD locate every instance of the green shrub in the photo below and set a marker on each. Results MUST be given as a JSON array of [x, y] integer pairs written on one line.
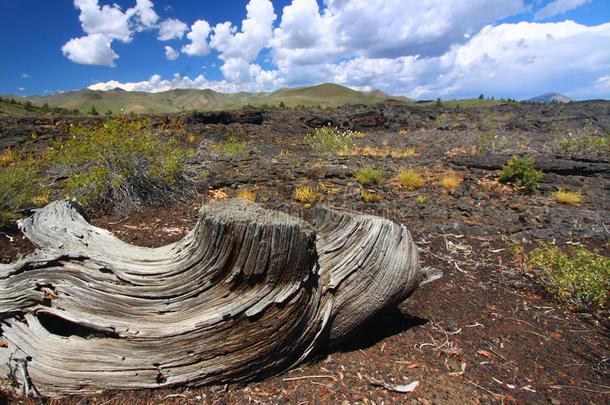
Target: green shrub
[[331, 139], [119, 163], [369, 176], [520, 172], [21, 188], [231, 148], [490, 142], [585, 140], [579, 277]]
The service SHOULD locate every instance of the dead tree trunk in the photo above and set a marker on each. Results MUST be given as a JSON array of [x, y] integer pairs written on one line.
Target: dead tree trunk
[[247, 293]]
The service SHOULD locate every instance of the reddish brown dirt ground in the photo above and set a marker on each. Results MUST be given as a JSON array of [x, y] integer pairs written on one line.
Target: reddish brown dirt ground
[[484, 333]]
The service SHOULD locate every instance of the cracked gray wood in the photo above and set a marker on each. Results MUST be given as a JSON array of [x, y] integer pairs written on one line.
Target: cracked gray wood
[[247, 293]]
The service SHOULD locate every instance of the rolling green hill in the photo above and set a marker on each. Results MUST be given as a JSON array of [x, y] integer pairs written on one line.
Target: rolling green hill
[[117, 100]]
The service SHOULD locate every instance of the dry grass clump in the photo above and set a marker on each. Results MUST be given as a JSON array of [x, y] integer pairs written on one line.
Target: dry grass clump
[[307, 194], [7, 157], [247, 194], [568, 197], [451, 182], [410, 179], [379, 151], [370, 196]]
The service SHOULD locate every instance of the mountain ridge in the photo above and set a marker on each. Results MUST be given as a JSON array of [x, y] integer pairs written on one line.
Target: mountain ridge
[[179, 100], [550, 97]]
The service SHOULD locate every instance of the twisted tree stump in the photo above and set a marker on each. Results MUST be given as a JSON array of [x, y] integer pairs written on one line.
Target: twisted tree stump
[[247, 293]]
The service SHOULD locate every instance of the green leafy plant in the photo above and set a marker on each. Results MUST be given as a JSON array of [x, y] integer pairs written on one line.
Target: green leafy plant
[[585, 140], [410, 179], [369, 176], [520, 172], [421, 199], [331, 139], [119, 163], [579, 277], [490, 142]]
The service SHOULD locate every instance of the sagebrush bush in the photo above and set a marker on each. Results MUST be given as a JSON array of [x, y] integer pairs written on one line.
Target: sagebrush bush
[[331, 139], [120, 163], [21, 187], [579, 277], [520, 172], [369, 176], [586, 140]]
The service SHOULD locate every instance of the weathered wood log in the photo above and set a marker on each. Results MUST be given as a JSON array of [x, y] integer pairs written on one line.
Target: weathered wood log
[[247, 293]]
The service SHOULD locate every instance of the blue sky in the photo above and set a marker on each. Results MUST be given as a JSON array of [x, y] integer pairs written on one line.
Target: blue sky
[[420, 49]]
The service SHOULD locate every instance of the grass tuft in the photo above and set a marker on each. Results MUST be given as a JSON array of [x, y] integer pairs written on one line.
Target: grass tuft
[[369, 176], [410, 179], [247, 194], [307, 194], [568, 197], [451, 182], [370, 196]]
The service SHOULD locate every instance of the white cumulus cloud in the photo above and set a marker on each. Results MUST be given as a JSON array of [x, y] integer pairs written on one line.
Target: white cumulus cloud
[[171, 29], [509, 60], [92, 49], [256, 30], [426, 49], [156, 84], [199, 39], [144, 14], [109, 21], [171, 53], [558, 7], [103, 24]]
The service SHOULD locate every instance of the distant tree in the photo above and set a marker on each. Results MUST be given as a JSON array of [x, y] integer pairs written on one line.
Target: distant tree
[[45, 108], [438, 104], [482, 96], [282, 105], [28, 106], [109, 112], [75, 112], [93, 111]]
